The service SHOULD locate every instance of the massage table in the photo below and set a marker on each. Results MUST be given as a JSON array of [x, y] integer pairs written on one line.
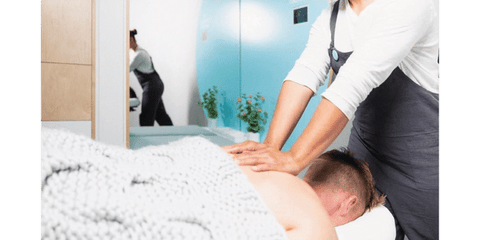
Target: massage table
[[377, 224], [186, 189], [134, 101]]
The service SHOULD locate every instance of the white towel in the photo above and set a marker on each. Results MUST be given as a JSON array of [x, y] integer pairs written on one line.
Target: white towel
[[189, 189]]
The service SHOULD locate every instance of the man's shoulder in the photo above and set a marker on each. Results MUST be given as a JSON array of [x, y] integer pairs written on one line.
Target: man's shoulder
[[294, 203], [284, 189], [291, 184], [283, 182]]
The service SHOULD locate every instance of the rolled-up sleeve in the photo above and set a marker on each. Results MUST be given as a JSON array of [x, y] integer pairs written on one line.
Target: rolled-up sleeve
[[137, 60], [311, 68], [388, 35]]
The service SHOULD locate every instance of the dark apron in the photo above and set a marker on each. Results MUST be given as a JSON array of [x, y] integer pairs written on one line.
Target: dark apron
[[395, 131], [152, 103]]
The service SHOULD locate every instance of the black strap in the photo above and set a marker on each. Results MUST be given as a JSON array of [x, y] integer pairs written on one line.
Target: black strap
[[333, 22]]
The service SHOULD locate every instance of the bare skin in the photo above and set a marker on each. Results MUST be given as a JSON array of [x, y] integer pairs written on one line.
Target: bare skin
[[305, 217]]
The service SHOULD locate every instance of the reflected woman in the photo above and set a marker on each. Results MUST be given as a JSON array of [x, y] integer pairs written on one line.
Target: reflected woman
[[152, 85]]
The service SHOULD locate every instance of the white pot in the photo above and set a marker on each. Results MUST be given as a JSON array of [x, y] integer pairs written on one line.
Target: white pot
[[253, 136], [211, 122]]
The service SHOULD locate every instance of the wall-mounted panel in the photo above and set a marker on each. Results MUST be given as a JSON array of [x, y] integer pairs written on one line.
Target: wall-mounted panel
[[67, 31], [66, 92]]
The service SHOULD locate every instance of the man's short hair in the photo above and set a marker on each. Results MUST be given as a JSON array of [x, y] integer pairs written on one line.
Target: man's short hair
[[340, 171]]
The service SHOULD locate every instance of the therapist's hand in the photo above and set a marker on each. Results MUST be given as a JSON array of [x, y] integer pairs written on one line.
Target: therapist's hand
[[262, 157]]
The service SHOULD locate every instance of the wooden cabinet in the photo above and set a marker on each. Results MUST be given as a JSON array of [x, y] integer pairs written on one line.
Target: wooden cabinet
[[67, 31], [68, 61], [66, 92]]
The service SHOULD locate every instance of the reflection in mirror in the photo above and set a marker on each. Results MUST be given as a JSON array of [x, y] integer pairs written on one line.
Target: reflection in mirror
[[141, 64], [166, 30], [194, 46]]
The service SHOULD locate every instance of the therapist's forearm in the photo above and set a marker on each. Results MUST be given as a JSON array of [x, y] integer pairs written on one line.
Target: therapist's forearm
[[292, 101], [327, 123]]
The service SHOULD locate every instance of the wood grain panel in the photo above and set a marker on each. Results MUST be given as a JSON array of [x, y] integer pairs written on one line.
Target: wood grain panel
[[66, 92], [67, 31]]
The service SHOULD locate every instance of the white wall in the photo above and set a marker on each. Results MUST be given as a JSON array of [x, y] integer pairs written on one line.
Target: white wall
[[78, 127], [111, 65], [167, 31]]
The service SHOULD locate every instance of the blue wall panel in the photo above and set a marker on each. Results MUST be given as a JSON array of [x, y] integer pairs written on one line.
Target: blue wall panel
[[270, 45], [218, 55], [249, 46]]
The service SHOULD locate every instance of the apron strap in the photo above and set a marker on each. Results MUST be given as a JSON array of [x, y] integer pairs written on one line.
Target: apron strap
[[333, 21]]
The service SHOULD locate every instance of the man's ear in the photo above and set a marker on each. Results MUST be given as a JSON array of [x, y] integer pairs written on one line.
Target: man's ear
[[348, 205], [345, 212]]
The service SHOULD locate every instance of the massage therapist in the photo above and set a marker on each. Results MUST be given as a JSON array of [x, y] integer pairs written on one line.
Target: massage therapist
[[384, 56], [153, 108]]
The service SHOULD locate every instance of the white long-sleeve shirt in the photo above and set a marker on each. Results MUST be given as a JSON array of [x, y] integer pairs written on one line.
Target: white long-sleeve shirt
[[141, 60], [386, 34]]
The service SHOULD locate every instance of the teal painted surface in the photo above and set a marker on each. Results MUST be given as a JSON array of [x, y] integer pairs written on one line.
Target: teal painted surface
[[266, 47], [218, 55], [266, 60]]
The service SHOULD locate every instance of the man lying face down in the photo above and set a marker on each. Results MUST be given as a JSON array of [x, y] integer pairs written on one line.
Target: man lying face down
[[336, 189]]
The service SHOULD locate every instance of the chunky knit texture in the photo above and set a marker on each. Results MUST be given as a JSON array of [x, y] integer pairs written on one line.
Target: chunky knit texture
[[189, 189]]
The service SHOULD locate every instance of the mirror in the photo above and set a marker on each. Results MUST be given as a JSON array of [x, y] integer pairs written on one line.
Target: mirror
[[167, 31]]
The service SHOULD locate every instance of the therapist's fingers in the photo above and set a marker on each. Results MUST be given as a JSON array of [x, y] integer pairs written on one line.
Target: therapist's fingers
[[265, 167], [249, 158], [243, 147], [268, 159]]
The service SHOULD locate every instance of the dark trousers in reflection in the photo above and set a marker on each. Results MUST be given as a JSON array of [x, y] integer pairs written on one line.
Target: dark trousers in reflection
[[152, 103]]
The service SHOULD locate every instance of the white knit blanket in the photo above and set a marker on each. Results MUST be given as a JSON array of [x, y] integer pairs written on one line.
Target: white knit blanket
[[189, 189]]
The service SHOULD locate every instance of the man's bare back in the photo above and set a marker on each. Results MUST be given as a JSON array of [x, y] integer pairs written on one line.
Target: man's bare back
[[295, 204]]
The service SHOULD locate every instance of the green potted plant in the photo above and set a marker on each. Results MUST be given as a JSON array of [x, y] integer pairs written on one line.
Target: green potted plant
[[210, 104], [251, 112]]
